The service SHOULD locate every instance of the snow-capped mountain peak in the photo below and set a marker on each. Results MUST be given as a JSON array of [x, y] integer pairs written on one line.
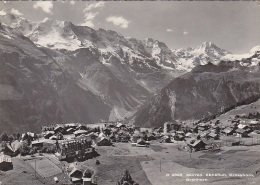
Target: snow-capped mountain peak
[[55, 34], [248, 59], [207, 44], [255, 49], [18, 23], [210, 48], [207, 52]]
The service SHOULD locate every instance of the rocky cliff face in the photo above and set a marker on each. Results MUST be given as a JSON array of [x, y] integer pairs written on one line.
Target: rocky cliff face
[[36, 90], [206, 90]]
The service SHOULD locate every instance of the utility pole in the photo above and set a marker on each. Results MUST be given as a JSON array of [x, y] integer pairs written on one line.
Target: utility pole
[[160, 165], [35, 169]]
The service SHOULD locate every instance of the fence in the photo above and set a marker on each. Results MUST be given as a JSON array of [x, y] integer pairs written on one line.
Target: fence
[[45, 167]]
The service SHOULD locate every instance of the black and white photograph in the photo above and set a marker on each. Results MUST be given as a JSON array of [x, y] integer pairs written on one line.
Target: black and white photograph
[[129, 92]]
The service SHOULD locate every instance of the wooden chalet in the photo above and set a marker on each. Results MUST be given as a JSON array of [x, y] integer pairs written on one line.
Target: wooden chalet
[[196, 145], [241, 132], [229, 131], [5, 163]]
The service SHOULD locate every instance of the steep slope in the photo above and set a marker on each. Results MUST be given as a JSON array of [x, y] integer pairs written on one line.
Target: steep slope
[[243, 110], [122, 72], [36, 90], [206, 90]]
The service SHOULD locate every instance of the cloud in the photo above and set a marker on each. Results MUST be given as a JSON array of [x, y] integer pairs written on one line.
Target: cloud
[[169, 30], [118, 21], [90, 7], [90, 12], [72, 2], [16, 12], [89, 17], [185, 33], [2, 12], [46, 6]]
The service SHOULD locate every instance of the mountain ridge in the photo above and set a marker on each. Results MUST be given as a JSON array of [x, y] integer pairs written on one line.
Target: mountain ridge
[[204, 92], [113, 73]]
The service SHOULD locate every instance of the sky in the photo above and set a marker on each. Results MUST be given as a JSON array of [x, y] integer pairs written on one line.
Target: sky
[[232, 25]]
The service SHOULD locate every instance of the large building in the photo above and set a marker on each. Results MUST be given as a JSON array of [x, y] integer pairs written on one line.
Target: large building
[[169, 126], [75, 148]]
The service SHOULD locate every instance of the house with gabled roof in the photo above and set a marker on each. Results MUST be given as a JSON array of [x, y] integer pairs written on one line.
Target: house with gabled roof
[[228, 131], [13, 148], [242, 126], [58, 128], [104, 141], [141, 143], [5, 163], [196, 145], [213, 135], [76, 175], [80, 132], [135, 137], [241, 132], [87, 177]]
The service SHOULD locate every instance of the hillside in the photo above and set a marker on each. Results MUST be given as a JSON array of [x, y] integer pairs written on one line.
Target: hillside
[[239, 111], [206, 90], [36, 90]]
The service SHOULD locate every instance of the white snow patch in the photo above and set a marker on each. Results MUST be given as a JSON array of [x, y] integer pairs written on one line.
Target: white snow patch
[[82, 75], [55, 41], [255, 49], [105, 62], [233, 57], [6, 36]]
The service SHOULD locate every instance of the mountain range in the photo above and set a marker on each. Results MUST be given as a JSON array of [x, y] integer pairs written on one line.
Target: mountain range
[[55, 71], [205, 92]]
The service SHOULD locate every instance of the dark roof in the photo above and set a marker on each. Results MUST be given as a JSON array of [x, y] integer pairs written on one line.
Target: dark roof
[[193, 142], [76, 173], [141, 141], [228, 130], [213, 135], [240, 130]]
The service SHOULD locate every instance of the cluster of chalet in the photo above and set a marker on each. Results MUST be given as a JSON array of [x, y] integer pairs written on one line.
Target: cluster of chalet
[[68, 141], [241, 128], [9, 149], [169, 133], [118, 132], [129, 133], [79, 174], [76, 140], [72, 140], [195, 135]]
